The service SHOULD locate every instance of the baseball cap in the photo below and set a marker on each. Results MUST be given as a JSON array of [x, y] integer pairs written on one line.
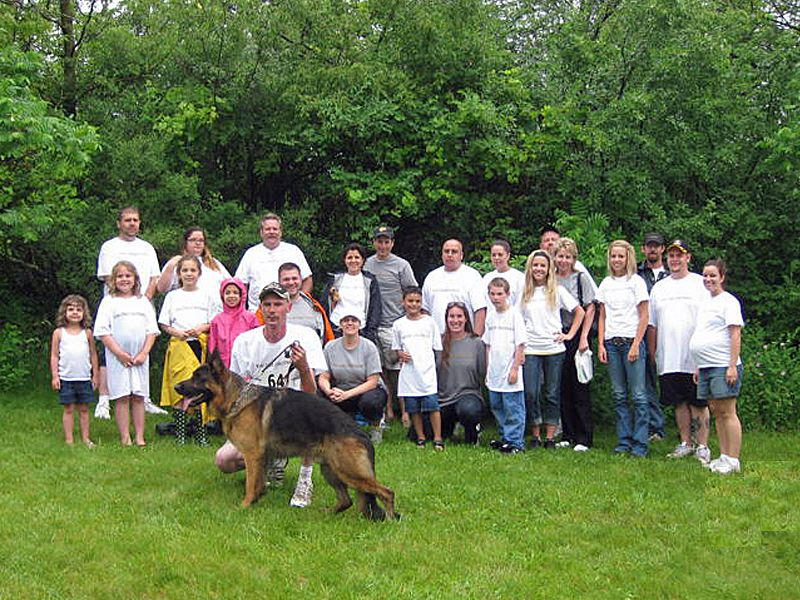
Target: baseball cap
[[383, 230], [352, 313], [681, 245], [654, 238], [274, 288]]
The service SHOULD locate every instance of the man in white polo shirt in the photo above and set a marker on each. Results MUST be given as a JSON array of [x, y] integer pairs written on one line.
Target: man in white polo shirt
[[260, 263], [454, 282]]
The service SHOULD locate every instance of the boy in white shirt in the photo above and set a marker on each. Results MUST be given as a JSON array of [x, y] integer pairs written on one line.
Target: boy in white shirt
[[414, 338], [505, 338]]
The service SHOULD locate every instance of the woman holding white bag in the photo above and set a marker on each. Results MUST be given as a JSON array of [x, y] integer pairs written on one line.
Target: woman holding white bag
[[576, 400]]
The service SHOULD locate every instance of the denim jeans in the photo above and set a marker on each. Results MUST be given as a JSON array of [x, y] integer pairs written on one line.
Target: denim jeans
[[543, 405], [655, 414], [632, 429], [509, 411]]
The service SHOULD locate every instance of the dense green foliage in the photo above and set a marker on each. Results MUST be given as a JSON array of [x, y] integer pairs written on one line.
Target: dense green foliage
[[441, 117]]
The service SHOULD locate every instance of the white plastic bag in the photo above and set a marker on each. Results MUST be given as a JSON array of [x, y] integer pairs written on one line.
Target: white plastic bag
[[584, 366]]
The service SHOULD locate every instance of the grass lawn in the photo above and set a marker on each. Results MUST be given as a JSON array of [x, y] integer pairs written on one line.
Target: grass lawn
[[161, 522]]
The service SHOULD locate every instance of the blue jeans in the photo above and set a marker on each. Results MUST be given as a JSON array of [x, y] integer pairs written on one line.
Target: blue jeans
[[632, 430], [509, 411], [655, 414], [543, 407]]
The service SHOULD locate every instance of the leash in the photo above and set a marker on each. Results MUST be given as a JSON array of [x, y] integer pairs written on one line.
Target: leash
[[245, 398]]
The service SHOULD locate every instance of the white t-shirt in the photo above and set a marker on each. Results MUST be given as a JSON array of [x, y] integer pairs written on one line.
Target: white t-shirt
[[710, 343], [442, 287], [252, 352], [209, 280], [543, 322], [352, 299], [621, 297], [137, 251], [419, 338], [259, 266], [674, 304], [516, 283], [505, 331], [185, 310], [129, 321]]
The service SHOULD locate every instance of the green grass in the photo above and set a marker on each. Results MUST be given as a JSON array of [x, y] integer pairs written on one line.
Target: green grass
[[161, 522]]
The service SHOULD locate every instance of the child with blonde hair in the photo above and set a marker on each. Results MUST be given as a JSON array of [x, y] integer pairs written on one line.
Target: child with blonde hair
[[74, 365], [126, 324]]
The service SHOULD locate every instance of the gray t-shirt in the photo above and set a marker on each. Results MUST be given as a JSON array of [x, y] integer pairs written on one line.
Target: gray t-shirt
[[570, 283], [393, 274], [350, 368], [465, 370], [303, 313]]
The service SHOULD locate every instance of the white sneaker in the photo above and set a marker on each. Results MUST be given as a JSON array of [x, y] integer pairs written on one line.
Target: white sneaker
[[151, 408], [703, 454], [103, 408], [375, 435], [580, 448], [682, 450], [302, 493], [727, 466], [562, 444], [713, 463]]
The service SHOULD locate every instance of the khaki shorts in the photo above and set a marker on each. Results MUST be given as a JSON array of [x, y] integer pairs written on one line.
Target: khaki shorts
[[388, 356]]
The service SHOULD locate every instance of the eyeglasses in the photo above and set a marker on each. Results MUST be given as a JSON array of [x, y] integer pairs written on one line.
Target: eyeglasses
[[197, 240]]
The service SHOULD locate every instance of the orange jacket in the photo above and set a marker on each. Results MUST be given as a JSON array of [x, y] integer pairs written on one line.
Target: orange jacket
[[326, 324]]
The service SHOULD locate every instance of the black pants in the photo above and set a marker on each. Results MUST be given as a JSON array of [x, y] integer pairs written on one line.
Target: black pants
[[467, 410], [576, 401]]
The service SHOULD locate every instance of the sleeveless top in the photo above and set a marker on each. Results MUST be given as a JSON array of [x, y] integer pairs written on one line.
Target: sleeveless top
[[73, 357]]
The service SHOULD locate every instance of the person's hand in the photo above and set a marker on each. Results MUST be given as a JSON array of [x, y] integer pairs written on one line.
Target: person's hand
[[731, 375], [298, 357], [512, 375], [583, 344], [125, 358], [95, 381], [695, 377], [139, 359], [55, 382], [406, 420], [633, 353], [601, 353], [403, 356], [337, 395]]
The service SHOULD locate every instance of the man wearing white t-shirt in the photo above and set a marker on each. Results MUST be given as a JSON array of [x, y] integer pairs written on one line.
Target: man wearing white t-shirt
[[279, 354], [126, 246], [260, 263], [674, 303], [454, 282]]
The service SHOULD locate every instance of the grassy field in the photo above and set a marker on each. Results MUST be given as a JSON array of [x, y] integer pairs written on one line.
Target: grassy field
[[161, 522]]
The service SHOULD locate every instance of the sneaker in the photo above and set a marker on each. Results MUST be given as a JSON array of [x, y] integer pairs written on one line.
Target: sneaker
[[536, 443], [302, 493], [549, 445], [580, 448], [563, 444], [375, 435], [682, 450], [727, 466], [496, 444], [152, 409], [276, 472], [89, 444], [656, 437], [703, 454], [509, 449], [103, 408]]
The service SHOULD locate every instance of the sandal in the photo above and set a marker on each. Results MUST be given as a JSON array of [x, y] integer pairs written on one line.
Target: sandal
[[438, 445], [420, 443]]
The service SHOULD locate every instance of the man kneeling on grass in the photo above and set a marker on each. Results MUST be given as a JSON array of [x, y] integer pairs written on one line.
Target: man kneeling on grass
[[257, 348]]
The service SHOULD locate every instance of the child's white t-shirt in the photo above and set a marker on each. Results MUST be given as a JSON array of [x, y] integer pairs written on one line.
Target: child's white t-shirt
[[505, 331], [187, 309], [419, 338]]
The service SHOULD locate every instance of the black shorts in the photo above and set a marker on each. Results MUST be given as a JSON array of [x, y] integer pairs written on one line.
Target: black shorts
[[679, 388]]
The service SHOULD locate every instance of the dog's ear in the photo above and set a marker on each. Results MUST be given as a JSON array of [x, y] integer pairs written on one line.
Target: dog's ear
[[217, 366]]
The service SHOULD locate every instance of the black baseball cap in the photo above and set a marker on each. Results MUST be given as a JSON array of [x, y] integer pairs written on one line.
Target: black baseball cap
[[383, 230], [654, 238]]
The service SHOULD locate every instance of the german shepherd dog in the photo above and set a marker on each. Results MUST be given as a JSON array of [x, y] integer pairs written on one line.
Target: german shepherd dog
[[267, 423]]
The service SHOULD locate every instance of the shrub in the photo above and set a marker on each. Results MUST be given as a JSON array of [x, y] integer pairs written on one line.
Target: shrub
[[18, 352], [770, 398]]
